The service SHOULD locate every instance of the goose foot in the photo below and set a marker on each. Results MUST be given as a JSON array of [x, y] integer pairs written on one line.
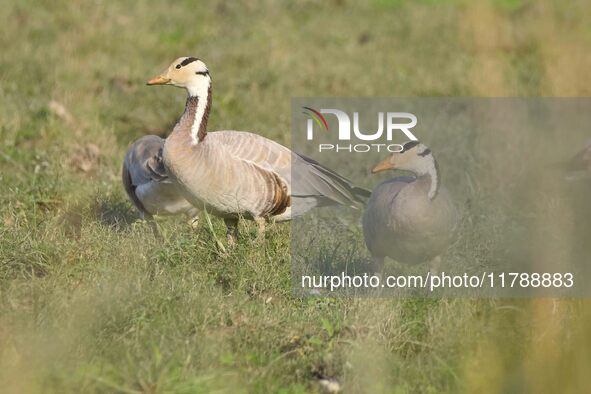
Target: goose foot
[[231, 231], [194, 222], [193, 217]]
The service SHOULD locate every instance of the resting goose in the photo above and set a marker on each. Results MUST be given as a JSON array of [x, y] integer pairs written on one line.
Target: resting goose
[[240, 174], [409, 218], [146, 182], [581, 161]]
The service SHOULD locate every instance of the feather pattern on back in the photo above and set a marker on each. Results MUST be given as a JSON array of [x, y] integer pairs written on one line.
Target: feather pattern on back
[[237, 172]]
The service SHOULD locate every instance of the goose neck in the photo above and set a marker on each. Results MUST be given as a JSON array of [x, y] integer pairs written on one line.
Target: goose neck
[[194, 119], [431, 173]]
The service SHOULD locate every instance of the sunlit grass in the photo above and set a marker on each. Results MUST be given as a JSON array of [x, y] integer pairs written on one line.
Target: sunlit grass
[[90, 301]]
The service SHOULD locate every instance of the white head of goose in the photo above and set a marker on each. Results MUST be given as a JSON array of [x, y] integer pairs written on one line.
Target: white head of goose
[[192, 74], [409, 218], [239, 174]]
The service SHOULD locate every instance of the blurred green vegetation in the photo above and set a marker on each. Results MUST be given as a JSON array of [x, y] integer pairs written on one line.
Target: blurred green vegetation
[[91, 302]]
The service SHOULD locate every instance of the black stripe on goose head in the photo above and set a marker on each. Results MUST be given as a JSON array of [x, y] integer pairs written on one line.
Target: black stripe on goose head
[[188, 60], [185, 62], [409, 145], [425, 152]]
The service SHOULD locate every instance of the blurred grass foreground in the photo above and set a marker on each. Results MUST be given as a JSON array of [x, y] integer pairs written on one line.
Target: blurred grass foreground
[[91, 302]]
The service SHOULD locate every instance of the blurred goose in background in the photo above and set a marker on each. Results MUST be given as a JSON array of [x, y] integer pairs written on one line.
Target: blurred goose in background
[[580, 163], [410, 219], [240, 174], [147, 184]]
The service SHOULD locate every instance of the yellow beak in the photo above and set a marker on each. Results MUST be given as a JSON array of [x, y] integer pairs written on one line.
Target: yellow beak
[[159, 80], [384, 165]]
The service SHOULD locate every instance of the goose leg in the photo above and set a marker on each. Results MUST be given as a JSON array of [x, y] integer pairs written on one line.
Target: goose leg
[[231, 231], [260, 221], [435, 265], [377, 265], [149, 219], [154, 227], [376, 268], [155, 230]]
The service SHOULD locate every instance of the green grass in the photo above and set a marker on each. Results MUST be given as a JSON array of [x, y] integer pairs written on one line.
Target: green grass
[[90, 301]]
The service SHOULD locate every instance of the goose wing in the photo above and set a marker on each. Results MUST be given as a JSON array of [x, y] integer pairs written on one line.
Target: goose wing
[[312, 182], [144, 160], [257, 149], [312, 179], [142, 165]]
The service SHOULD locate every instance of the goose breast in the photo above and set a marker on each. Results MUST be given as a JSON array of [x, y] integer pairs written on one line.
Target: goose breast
[[401, 222]]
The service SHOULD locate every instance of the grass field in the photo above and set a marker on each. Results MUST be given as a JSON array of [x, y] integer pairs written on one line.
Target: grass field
[[91, 302]]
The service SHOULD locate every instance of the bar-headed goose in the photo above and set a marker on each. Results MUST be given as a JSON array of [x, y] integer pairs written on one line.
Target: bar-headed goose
[[581, 162], [409, 218], [240, 174], [147, 184]]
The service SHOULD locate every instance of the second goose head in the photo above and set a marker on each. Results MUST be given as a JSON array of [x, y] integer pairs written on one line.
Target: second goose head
[[416, 158], [186, 72]]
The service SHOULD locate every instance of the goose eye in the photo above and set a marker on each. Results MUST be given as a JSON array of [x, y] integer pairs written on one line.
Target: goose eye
[[178, 66]]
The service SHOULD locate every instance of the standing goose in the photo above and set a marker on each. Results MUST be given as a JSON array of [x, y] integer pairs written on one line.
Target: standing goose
[[146, 182], [239, 174], [409, 218]]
